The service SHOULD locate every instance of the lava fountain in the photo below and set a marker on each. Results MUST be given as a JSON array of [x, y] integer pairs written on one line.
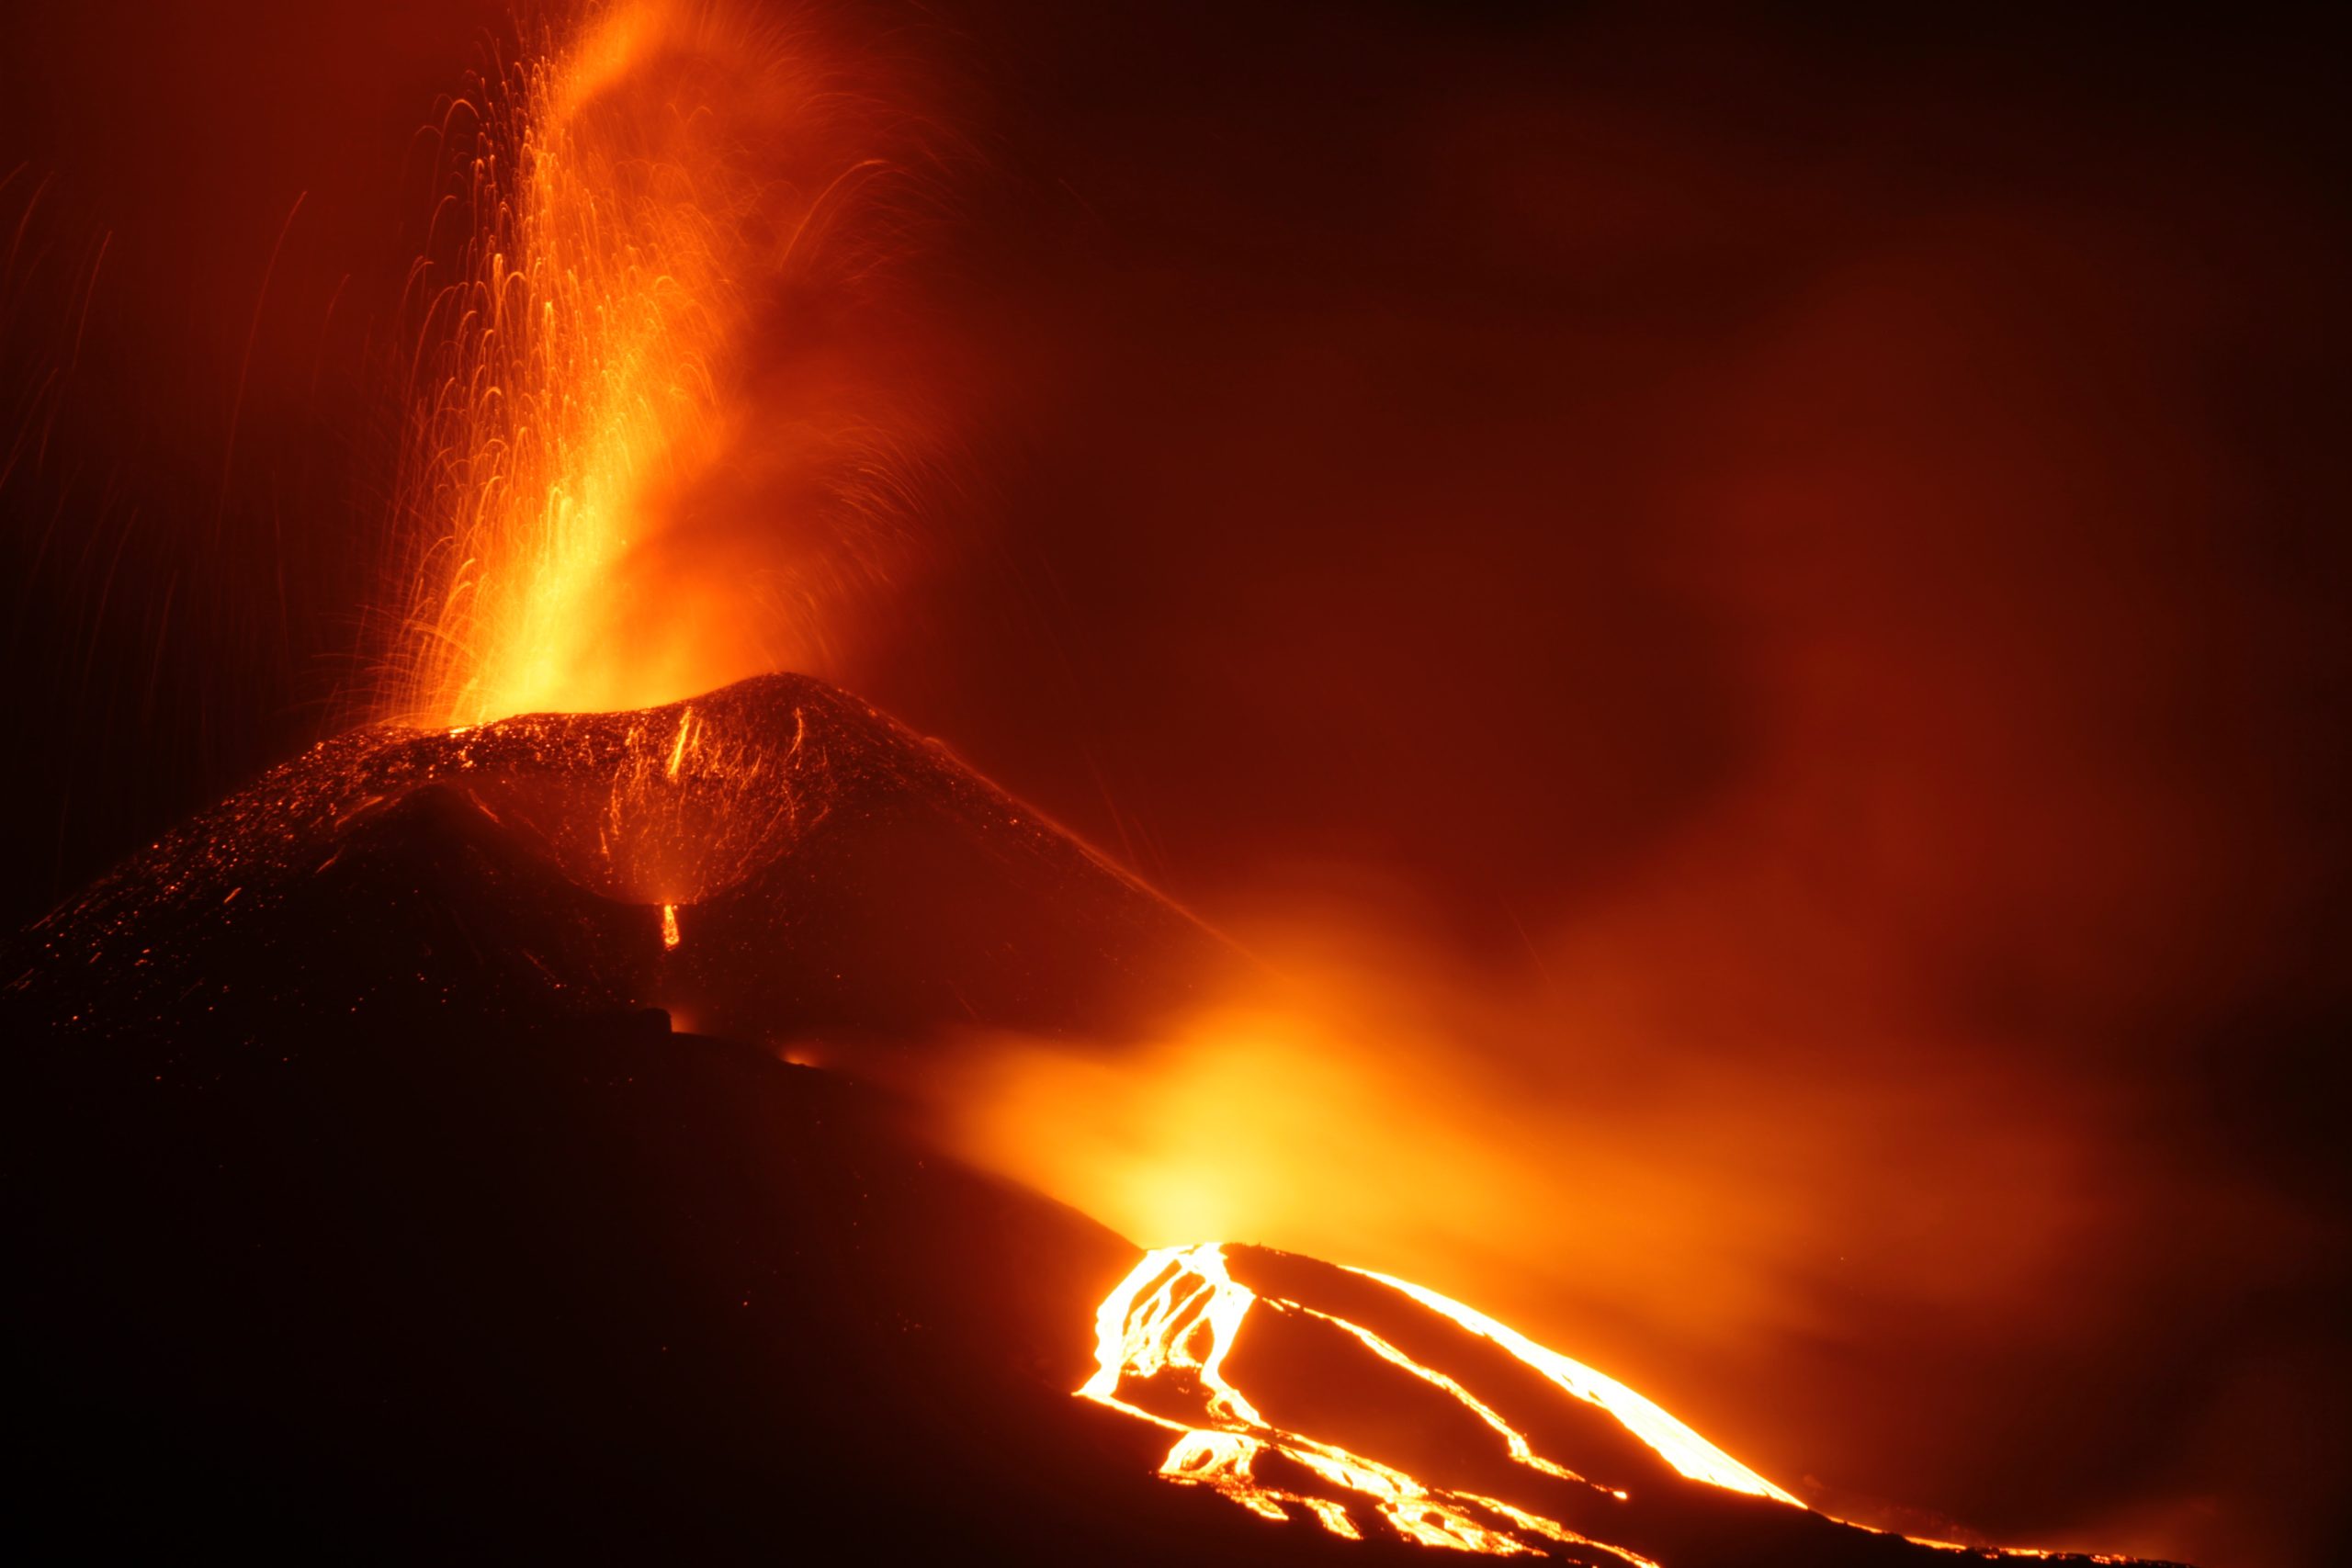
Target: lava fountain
[[658, 191]]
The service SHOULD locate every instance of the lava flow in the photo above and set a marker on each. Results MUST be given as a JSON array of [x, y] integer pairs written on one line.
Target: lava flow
[[1192, 1298], [1381, 1360]]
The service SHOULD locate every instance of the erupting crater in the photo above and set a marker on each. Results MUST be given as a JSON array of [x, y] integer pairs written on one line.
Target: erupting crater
[[774, 859]]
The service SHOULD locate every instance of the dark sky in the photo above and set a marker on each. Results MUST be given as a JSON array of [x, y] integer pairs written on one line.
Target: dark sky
[[1828, 533]]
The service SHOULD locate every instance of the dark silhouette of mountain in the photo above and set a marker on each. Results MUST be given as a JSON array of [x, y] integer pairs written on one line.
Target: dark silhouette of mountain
[[830, 871], [362, 1207]]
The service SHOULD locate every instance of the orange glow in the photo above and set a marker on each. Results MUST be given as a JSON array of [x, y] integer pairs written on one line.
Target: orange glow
[[1351, 1107], [669, 925], [1540, 1150]]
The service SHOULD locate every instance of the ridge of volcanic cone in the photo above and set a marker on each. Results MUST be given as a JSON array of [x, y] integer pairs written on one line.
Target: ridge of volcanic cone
[[837, 872]]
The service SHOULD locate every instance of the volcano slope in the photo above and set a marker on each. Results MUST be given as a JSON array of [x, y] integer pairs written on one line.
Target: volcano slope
[[828, 870], [365, 1204]]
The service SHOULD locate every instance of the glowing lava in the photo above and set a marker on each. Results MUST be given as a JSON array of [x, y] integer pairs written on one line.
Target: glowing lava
[[1167, 1336], [1680, 1447], [1174, 1321]]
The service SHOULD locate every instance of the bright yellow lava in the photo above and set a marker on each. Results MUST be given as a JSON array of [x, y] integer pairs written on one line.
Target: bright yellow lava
[[1162, 1337], [1678, 1444], [1177, 1312]]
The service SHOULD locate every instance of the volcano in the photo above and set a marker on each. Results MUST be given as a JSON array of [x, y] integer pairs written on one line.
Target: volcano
[[775, 858], [371, 1199]]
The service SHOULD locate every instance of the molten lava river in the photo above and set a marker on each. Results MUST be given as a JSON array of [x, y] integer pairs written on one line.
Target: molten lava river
[[1477, 1450]]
